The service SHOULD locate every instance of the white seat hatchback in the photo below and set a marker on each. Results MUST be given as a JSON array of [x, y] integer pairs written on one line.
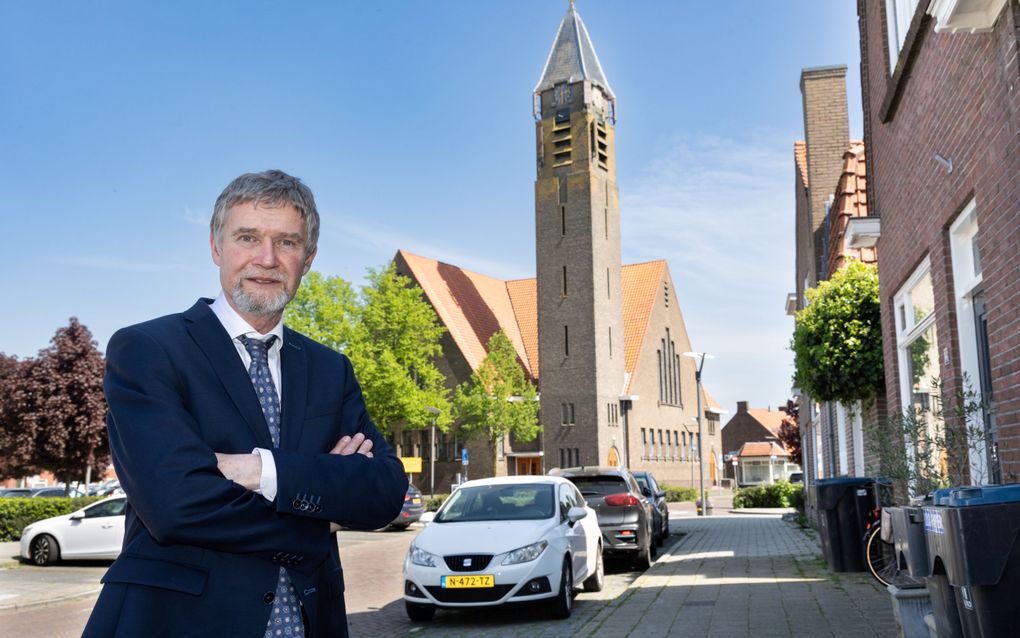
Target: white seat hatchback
[[505, 540]]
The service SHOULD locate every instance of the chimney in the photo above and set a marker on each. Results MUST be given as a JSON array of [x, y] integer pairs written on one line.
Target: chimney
[[741, 406], [827, 137]]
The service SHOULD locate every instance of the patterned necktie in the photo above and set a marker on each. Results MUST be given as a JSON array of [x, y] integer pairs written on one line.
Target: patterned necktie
[[285, 619]]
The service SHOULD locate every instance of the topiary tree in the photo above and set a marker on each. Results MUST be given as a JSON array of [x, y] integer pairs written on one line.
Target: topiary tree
[[837, 338]]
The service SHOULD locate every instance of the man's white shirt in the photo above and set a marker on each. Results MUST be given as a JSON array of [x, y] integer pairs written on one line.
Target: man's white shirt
[[237, 327]]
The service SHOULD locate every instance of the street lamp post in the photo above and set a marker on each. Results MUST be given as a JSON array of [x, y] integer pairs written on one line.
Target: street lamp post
[[700, 358], [432, 451]]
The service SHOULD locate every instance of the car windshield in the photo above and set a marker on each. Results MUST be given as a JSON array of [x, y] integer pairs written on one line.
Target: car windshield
[[529, 501], [600, 485]]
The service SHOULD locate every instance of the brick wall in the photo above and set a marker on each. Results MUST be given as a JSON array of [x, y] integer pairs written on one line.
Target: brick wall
[[957, 95]]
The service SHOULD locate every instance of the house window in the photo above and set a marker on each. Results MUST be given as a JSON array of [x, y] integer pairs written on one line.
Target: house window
[[920, 378], [898, 16], [972, 327]]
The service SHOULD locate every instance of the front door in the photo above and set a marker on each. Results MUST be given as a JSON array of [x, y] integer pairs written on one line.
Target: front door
[[529, 466]]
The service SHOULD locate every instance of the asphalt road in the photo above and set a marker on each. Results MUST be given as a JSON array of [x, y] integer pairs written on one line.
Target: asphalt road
[[374, 587]]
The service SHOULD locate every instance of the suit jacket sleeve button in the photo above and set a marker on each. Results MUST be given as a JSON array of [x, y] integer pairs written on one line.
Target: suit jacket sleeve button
[[296, 504], [269, 597]]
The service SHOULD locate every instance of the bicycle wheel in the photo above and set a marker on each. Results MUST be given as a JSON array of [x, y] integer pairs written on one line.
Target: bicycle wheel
[[880, 557]]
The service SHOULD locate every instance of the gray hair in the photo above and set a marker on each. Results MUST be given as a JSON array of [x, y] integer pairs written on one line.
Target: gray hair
[[272, 188]]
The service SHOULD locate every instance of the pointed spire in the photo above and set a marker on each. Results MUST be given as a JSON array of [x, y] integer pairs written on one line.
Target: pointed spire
[[572, 57]]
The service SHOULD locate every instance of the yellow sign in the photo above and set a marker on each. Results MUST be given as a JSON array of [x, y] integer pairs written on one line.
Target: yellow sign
[[412, 464]]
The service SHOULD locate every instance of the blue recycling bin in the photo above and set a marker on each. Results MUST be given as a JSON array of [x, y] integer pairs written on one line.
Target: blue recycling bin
[[939, 550], [843, 506], [982, 527]]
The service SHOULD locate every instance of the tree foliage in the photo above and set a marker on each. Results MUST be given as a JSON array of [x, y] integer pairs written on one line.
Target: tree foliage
[[390, 333], [837, 338], [789, 431], [54, 412], [498, 400]]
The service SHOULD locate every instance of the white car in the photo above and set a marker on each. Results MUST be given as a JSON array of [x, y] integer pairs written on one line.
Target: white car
[[502, 540], [96, 531]]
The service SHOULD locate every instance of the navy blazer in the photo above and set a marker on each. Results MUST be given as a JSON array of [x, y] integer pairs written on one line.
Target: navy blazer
[[202, 554]]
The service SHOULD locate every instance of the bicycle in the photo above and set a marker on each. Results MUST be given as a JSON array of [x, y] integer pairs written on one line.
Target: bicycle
[[880, 553]]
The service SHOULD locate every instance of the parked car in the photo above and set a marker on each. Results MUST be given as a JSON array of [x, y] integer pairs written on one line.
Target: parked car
[[413, 508], [660, 508], [624, 513], [17, 492], [796, 477], [96, 531], [57, 491], [501, 540]]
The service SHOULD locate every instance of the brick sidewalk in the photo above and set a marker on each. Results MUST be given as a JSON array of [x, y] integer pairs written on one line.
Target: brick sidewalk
[[730, 575]]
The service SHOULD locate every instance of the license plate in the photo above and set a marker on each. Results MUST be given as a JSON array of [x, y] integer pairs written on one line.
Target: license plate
[[468, 582], [416, 501]]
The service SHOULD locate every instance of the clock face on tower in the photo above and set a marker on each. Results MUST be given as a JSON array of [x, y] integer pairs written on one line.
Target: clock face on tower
[[561, 94]]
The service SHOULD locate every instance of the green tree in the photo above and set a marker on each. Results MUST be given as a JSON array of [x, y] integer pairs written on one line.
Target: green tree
[[324, 309], [391, 335], [837, 338], [498, 400]]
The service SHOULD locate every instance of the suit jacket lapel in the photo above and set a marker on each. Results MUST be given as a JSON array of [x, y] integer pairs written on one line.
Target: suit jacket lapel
[[294, 369], [208, 333]]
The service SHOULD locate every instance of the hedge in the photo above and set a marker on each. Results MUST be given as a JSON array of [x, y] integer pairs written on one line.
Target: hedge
[[18, 513], [432, 503], [779, 494], [679, 494]]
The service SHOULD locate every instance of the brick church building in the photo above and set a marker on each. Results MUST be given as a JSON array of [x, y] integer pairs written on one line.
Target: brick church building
[[602, 340]]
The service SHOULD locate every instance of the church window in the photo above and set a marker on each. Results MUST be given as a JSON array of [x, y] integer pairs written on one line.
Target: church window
[[644, 443], [563, 221], [610, 342], [665, 293], [662, 446], [609, 292], [561, 140], [564, 292], [566, 341]]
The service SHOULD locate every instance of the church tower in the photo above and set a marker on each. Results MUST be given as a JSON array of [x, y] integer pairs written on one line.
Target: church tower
[[577, 228]]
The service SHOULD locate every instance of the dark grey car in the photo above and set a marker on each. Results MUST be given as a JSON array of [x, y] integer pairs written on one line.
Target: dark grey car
[[624, 513], [660, 513]]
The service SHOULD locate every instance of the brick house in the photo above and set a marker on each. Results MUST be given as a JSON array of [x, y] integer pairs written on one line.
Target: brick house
[[603, 341], [941, 93], [830, 184], [752, 426]]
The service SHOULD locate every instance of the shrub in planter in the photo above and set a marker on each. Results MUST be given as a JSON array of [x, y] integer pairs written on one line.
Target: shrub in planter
[[432, 503], [779, 494]]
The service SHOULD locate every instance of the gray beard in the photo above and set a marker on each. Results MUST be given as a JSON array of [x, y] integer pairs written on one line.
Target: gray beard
[[260, 306]]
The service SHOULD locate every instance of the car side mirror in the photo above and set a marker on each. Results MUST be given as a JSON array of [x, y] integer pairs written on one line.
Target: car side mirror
[[575, 514], [77, 516], [660, 495]]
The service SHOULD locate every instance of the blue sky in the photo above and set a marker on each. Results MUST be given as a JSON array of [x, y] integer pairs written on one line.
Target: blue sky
[[411, 121]]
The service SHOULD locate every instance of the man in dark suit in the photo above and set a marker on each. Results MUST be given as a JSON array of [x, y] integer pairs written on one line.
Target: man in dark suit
[[241, 445]]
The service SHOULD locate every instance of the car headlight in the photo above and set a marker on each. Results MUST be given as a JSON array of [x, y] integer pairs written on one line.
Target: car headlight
[[526, 553], [419, 556]]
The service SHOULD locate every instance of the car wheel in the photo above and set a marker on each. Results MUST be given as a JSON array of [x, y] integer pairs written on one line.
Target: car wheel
[[644, 558], [399, 528], [45, 550], [665, 532], [563, 604], [418, 612], [598, 579]]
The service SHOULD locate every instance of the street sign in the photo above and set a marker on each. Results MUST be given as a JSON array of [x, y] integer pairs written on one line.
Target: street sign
[[463, 457], [734, 460], [412, 464]]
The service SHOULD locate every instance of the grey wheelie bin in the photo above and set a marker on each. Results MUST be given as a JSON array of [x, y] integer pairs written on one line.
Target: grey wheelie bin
[[983, 530], [843, 507], [943, 599]]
